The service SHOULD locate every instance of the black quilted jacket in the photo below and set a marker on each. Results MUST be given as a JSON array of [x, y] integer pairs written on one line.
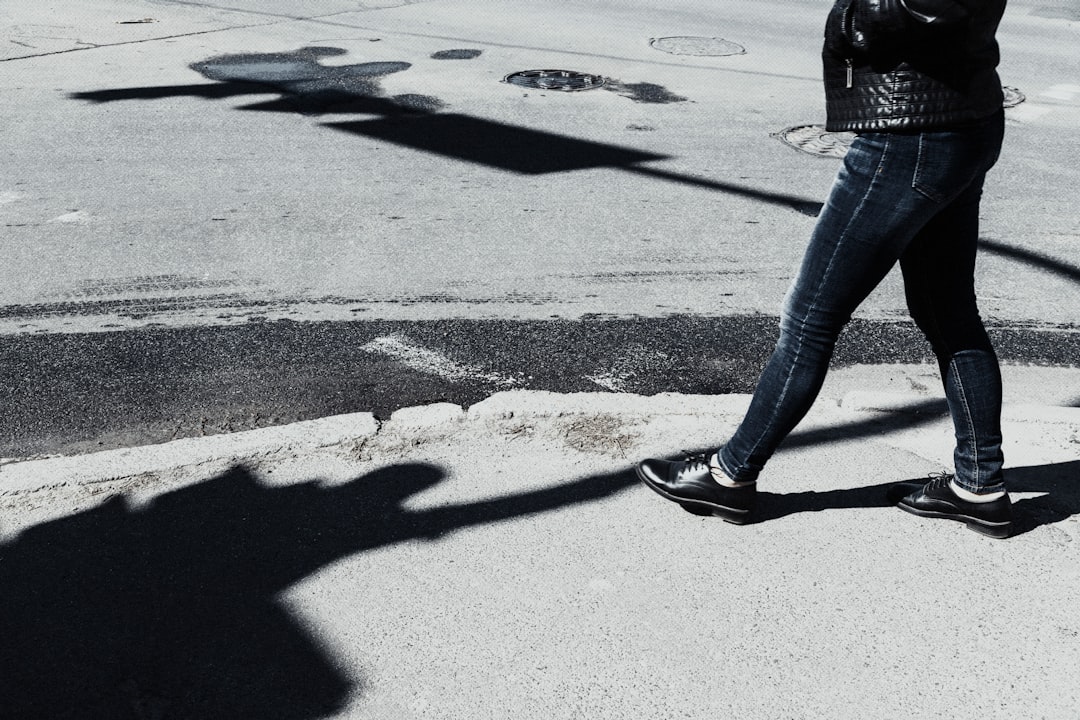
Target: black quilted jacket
[[909, 65]]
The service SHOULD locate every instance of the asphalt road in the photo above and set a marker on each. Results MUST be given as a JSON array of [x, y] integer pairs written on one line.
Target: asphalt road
[[67, 393]]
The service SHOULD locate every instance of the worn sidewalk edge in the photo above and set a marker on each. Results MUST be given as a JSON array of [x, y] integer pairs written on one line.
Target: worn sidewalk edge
[[241, 447], [326, 433]]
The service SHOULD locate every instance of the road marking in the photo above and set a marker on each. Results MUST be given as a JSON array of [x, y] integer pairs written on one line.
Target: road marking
[[431, 361], [75, 217], [1028, 112], [1055, 96], [609, 381], [1064, 91]]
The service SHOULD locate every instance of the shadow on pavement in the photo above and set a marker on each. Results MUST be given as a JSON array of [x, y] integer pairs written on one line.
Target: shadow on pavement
[[494, 144], [411, 120], [911, 416], [172, 610], [305, 84], [1058, 485], [1031, 258]]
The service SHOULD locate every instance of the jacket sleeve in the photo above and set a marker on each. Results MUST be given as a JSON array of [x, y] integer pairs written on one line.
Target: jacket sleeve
[[874, 25]]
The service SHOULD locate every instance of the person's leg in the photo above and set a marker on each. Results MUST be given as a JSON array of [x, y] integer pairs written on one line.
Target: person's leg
[[889, 188], [939, 281], [869, 219]]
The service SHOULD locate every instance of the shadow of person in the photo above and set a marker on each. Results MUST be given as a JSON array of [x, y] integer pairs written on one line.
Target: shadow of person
[[1057, 486], [172, 610]]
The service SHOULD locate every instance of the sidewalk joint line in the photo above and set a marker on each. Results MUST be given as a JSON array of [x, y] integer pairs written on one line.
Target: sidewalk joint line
[[279, 19], [133, 42]]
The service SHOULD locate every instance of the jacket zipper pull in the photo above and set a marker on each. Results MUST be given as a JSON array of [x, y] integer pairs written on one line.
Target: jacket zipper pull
[[850, 73]]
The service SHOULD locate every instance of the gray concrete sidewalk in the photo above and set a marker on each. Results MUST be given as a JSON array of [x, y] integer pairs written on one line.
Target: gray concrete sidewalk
[[504, 562]]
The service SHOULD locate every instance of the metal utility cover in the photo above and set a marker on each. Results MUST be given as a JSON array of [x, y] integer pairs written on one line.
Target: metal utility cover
[[562, 80], [1013, 97], [700, 46], [815, 140]]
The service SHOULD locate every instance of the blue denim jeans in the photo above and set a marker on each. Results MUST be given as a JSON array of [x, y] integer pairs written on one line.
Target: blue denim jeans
[[899, 197]]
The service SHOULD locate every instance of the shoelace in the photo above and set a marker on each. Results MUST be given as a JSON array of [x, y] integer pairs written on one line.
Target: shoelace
[[698, 459], [939, 480]]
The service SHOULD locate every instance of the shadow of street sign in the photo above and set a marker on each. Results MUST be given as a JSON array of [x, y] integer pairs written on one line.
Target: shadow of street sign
[[486, 142]]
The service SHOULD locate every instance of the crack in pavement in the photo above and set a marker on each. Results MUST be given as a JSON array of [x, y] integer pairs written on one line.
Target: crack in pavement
[[280, 18]]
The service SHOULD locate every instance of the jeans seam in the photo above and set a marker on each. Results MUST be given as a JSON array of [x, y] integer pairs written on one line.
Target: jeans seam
[[817, 296], [917, 183], [971, 428], [723, 466]]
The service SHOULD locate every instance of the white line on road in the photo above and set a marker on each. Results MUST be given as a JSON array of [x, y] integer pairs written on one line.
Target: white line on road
[[431, 361], [1028, 112], [1064, 91], [1054, 95], [608, 381]]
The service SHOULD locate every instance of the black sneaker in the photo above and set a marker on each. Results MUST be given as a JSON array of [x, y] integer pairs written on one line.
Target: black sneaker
[[936, 499], [689, 483]]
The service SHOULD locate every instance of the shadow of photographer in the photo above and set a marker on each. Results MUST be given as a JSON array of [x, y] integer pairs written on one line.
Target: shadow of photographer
[[172, 610]]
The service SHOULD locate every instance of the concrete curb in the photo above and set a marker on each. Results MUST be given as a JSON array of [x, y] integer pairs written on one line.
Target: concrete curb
[[544, 404], [214, 453], [211, 453]]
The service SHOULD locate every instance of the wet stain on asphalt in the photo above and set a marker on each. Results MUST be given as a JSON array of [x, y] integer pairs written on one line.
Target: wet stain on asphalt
[[643, 92], [460, 54]]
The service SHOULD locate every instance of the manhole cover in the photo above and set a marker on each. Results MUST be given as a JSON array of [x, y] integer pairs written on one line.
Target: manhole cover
[[563, 80], [700, 46], [815, 140], [1013, 97]]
